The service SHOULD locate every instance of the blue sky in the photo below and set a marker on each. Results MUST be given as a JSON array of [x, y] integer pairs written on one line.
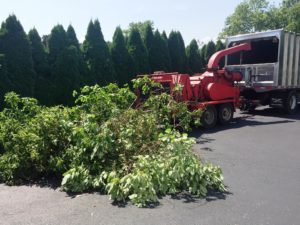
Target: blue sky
[[199, 19]]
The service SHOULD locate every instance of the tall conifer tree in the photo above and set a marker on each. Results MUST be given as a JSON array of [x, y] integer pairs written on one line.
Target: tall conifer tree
[[160, 54], [72, 38], [42, 89], [165, 52], [138, 52], [150, 44], [66, 75], [193, 55], [209, 50], [5, 84], [177, 52], [182, 52], [15, 45], [97, 55], [202, 55], [220, 46], [123, 63], [57, 42], [64, 59], [84, 77], [164, 36], [39, 56]]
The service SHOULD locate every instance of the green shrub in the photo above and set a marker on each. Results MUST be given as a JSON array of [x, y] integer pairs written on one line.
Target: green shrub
[[76, 180], [34, 138], [106, 142]]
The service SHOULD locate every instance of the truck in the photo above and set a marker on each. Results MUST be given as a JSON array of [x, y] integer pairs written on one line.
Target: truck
[[271, 70], [260, 69]]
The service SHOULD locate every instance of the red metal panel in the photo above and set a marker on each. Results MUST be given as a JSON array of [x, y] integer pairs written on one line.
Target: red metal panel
[[218, 91]]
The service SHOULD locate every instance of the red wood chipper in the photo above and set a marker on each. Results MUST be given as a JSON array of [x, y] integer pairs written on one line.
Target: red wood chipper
[[214, 91]]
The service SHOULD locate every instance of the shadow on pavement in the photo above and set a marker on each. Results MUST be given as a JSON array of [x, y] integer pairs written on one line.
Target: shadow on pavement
[[51, 182], [211, 196], [246, 119], [217, 195], [204, 140], [273, 112]]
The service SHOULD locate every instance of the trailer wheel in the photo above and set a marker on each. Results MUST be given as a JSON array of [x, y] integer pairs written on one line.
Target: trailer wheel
[[290, 102], [209, 117], [225, 113]]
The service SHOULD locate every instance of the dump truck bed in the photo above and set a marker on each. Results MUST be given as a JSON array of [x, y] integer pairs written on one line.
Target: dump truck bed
[[273, 62]]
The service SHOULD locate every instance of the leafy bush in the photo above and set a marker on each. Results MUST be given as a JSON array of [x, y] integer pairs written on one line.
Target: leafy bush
[[172, 169], [106, 142], [34, 139], [170, 112], [76, 180]]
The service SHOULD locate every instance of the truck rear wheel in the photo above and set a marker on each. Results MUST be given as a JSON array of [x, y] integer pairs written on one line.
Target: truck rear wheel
[[225, 113], [290, 102], [209, 117]]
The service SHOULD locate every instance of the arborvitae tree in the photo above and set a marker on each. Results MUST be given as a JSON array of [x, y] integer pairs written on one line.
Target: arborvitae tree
[[15, 45], [38, 52], [160, 54], [122, 61], [193, 55], [84, 77], [209, 51], [72, 38], [182, 51], [97, 55], [64, 61], [151, 48], [138, 52], [66, 75], [164, 36], [159, 58], [5, 84], [42, 84], [202, 56], [220, 46], [177, 52], [57, 42], [165, 50], [176, 61]]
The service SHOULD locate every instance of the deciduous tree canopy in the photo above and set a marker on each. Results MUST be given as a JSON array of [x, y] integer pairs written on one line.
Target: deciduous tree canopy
[[260, 15]]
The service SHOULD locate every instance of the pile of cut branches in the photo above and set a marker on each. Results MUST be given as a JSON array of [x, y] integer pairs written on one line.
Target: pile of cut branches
[[104, 143]]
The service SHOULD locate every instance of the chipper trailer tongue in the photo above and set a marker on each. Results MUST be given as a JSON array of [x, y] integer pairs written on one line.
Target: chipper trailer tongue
[[213, 91]]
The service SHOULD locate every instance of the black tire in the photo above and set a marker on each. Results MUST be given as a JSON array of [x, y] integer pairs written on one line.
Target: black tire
[[209, 117], [225, 113], [290, 102]]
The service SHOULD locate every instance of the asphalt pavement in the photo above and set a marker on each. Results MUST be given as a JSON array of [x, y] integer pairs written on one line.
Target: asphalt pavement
[[260, 157]]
